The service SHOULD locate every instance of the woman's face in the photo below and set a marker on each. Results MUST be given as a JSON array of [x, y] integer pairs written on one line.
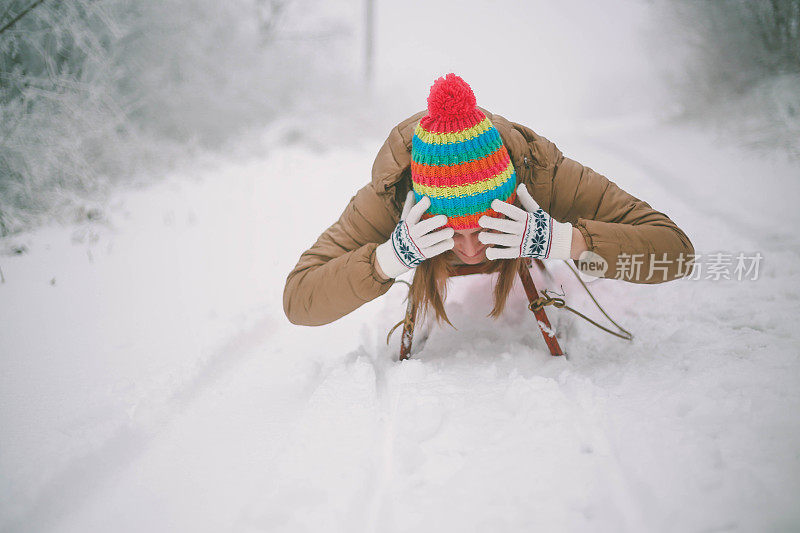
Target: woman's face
[[467, 246]]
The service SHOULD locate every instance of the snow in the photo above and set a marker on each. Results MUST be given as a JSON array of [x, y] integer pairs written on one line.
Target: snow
[[150, 381]]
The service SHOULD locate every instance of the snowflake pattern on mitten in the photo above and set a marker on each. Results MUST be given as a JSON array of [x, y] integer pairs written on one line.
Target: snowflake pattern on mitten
[[404, 247], [538, 235]]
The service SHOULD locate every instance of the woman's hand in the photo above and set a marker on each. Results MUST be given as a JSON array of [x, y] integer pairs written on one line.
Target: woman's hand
[[530, 233], [413, 241]]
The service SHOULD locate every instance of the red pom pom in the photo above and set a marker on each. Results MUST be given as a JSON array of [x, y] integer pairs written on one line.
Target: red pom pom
[[450, 97]]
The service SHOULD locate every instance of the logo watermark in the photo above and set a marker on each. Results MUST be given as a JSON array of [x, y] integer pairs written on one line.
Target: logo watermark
[[592, 264]]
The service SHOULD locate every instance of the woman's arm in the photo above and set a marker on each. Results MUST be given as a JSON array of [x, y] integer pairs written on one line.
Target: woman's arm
[[338, 273], [578, 244], [639, 244]]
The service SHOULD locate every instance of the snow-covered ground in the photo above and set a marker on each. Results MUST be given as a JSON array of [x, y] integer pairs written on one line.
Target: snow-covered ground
[[149, 380]]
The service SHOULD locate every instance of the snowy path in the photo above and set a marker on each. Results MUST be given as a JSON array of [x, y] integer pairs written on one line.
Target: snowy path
[[150, 382]]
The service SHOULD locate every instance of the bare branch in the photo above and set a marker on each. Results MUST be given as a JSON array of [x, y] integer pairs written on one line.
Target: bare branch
[[22, 14]]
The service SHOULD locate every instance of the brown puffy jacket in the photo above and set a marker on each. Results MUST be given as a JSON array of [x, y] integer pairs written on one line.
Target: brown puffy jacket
[[337, 274]]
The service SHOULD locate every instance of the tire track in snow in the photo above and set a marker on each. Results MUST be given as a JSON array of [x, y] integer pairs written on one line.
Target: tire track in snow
[[379, 512], [85, 476], [584, 408]]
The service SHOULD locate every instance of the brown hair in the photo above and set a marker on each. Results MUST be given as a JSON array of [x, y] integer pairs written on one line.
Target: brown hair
[[429, 287]]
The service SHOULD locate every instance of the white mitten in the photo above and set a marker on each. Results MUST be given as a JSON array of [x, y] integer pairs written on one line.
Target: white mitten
[[413, 241], [531, 233]]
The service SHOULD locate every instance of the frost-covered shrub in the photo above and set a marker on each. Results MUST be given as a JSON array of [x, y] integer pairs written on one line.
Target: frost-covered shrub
[[735, 44], [96, 92], [736, 61]]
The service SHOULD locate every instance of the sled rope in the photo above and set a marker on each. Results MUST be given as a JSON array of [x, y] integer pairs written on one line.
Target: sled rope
[[559, 303], [389, 335], [545, 300], [405, 319]]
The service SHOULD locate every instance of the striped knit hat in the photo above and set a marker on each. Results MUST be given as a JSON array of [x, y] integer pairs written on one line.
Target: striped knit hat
[[458, 159]]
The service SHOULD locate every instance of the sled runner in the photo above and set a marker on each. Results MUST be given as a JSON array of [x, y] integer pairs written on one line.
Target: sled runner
[[536, 305]]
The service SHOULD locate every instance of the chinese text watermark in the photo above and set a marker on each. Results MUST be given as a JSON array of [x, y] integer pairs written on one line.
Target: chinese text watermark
[[739, 266]]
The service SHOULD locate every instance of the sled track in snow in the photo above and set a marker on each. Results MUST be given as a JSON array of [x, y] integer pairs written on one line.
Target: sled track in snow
[[85, 476]]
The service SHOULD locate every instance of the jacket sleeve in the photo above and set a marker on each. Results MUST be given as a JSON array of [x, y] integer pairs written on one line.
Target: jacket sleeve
[[638, 243], [337, 274]]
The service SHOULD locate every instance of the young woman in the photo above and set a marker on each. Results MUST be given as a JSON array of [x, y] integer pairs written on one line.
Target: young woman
[[460, 185]]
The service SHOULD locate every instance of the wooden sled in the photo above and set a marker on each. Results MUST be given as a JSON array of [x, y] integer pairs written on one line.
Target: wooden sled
[[536, 306]]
